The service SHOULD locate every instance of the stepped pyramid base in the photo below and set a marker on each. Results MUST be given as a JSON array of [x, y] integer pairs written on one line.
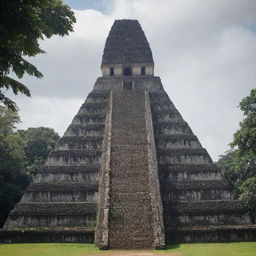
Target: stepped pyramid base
[[47, 235], [221, 233], [196, 234]]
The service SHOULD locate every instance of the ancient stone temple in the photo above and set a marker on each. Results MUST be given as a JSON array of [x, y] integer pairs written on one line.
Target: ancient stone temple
[[128, 172]]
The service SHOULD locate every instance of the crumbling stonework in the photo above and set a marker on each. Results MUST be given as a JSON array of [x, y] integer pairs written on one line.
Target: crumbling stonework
[[129, 172]]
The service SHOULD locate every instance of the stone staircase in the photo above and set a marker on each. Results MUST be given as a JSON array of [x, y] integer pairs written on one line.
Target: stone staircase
[[130, 219], [198, 206]]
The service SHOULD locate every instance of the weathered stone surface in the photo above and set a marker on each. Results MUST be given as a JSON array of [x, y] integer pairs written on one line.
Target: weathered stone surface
[[47, 235], [126, 43], [61, 203], [130, 221], [128, 166], [101, 232]]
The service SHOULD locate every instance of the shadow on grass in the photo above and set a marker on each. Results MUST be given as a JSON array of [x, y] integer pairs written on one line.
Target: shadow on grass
[[172, 246]]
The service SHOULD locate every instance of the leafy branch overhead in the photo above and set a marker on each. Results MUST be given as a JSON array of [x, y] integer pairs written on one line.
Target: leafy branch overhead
[[22, 24]]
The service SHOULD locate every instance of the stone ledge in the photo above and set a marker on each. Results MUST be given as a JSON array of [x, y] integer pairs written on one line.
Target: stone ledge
[[175, 138], [88, 106], [212, 234], [86, 115], [171, 124], [189, 167], [75, 153], [206, 206], [63, 186], [165, 111], [182, 151], [88, 127], [198, 185], [47, 235], [99, 93], [85, 118], [60, 209], [69, 169], [161, 96], [70, 139]]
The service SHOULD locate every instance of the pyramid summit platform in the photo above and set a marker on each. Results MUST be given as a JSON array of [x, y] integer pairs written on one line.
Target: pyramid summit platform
[[128, 173]]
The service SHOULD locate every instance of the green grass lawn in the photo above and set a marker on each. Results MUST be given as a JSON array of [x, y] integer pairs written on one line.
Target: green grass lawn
[[203, 249], [214, 249]]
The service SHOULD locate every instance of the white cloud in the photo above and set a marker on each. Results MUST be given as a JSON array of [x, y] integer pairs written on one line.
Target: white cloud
[[48, 112], [204, 52]]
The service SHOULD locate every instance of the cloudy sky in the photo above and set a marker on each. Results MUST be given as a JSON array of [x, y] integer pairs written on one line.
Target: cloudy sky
[[204, 52]]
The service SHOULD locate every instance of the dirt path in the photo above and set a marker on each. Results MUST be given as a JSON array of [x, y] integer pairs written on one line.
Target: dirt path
[[135, 253]]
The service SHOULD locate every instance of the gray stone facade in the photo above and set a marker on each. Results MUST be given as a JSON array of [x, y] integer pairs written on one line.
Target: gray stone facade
[[128, 172]]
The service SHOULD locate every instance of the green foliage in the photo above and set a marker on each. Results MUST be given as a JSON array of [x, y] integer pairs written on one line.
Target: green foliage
[[239, 164], [21, 154], [248, 195], [13, 177], [22, 25], [39, 143], [231, 171], [245, 137], [8, 119]]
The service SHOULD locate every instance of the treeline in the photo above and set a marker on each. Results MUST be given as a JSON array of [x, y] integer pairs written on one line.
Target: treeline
[[238, 165], [22, 152]]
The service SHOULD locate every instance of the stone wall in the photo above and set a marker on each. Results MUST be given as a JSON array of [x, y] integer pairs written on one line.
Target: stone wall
[[136, 69], [146, 83], [101, 232], [154, 186], [62, 200], [197, 204]]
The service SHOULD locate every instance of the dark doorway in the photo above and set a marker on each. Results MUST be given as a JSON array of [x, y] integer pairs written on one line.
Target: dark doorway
[[111, 71], [143, 71], [127, 85], [127, 71]]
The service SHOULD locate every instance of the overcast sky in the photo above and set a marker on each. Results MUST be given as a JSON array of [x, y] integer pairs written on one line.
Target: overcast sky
[[204, 52]]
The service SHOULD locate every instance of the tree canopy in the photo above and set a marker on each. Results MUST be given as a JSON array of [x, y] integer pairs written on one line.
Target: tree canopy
[[39, 143], [239, 164], [22, 152], [22, 24]]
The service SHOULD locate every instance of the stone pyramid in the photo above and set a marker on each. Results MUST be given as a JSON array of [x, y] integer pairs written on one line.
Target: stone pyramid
[[128, 172]]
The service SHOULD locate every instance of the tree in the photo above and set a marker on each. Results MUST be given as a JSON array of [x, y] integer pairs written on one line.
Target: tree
[[21, 154], [13, 176], [39, 143], [239, 164], [8, 119], [22, 24]]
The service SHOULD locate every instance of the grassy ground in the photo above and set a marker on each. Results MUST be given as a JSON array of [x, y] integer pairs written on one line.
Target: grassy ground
[[215, 249], [207, 249]]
